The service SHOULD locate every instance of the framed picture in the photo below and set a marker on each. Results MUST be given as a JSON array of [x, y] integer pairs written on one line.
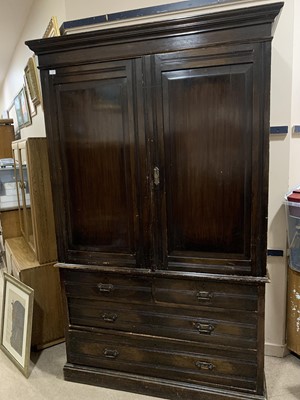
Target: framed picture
[[16, 322], [13, 115], [52, 28], [32, 84], [4, 115], [22, 109]]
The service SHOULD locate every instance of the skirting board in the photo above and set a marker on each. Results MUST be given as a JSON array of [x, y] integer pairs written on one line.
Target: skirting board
[[276, 350]]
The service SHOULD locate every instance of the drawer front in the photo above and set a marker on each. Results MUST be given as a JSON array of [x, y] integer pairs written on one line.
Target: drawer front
[[172, 292], [207, 326], [107, 287], [205, 293], [160, 358]]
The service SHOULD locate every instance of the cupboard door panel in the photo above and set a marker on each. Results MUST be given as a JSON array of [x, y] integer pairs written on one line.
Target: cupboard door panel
[[97, 155], [205, 123], [98, 139], [207, 156]]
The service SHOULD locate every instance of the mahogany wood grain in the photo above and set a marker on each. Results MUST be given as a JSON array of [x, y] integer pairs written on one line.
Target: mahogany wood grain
[[158, 148]]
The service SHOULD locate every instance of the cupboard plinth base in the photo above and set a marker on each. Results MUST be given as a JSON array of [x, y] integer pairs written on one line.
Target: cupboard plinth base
[[161, 388]]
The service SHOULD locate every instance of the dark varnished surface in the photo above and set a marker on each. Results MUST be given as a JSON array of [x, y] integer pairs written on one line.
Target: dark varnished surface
[[201, 209], [160, 275], [133, 354], [117, 121], [208, 157], [94, 136]]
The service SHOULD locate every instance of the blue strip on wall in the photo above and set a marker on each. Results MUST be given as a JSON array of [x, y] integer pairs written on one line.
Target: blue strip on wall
[[296, 128], [275, 253], [141, 12], [279, 130]]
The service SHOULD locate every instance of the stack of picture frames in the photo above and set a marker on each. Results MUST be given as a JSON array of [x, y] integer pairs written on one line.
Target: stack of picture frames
[[24, 105]]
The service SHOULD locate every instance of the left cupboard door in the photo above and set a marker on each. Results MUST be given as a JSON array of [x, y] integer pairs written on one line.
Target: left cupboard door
[[97, 161]]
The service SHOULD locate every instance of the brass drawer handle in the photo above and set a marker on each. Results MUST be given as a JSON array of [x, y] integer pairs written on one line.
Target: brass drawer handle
[[206, 329], [109, 317], [156, 176], [105, 287], [109, 353], [204, 365], [205, 296]]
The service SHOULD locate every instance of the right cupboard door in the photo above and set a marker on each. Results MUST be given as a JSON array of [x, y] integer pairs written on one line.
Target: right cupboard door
[[211, 136]]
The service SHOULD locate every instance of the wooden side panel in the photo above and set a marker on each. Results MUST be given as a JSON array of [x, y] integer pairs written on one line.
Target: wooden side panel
[[6, 137], [47, 324], [41, 200], [10, 224]]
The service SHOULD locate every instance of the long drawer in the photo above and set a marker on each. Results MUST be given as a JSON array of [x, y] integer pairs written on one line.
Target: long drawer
[[157, 357], [211, 326]]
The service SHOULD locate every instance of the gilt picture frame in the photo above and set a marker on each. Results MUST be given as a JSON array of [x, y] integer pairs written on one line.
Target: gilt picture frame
[[16, 322], [32, 82], [52, 28], [22, 109]]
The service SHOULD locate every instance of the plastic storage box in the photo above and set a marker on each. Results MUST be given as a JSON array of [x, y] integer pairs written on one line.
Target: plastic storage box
[[292, 204], [8, 187]]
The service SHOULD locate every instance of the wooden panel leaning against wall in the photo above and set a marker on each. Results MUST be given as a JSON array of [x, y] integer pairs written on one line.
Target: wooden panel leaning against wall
[[28, 231], [9, 215]]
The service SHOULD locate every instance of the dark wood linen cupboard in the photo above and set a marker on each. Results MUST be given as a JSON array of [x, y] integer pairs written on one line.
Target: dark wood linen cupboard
[[158, 147]]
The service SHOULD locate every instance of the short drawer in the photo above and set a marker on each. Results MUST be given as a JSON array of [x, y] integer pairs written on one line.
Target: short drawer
[[207, 326], [160, 358], [205, 293], [101, 286]]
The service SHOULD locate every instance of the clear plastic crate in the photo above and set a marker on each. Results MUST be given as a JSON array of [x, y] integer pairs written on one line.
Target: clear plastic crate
[[293, 228], [8, 188]]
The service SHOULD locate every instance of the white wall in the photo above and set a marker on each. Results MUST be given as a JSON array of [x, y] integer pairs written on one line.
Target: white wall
[[295, 115], [281, 103], [284, 165], [285, 108], [38, 19]]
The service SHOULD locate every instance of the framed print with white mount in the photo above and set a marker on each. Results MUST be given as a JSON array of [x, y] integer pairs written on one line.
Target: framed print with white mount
[[16, 322]]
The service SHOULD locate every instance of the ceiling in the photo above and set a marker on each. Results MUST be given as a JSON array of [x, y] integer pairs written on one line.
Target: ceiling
[[13, 16]]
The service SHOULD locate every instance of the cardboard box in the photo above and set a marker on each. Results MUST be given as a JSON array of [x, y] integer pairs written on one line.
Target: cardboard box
[[293, 311]]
